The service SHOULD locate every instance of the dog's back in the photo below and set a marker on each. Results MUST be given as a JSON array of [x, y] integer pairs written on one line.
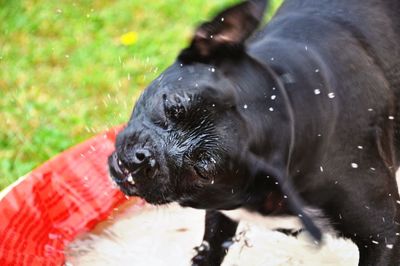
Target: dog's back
[[374, 29], [376, 25]]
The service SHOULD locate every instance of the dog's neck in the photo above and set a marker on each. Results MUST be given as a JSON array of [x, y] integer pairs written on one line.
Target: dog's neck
[[310, 94]]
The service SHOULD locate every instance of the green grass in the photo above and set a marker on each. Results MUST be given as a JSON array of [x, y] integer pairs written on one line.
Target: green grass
[[65, 76]]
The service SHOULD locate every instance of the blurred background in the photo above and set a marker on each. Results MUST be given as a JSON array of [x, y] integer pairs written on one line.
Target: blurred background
[[72, 69]]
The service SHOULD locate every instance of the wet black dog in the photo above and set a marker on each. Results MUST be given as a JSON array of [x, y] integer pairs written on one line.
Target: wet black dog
[[304, 113]]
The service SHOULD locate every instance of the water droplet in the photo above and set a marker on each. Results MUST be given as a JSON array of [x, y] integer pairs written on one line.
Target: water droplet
[[272, 59], [317, 70], [271, 109], [306, 47], [180, 78], [245, 106], [354, 165], [370, 110], [360, 147], [331, 95], [389, 246], [317, 91], [222, 19], [321, 168], [391, 117], [273, 97]]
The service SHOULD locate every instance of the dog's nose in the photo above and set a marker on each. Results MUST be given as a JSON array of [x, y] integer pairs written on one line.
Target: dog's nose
[[142, 162], [141, 156]]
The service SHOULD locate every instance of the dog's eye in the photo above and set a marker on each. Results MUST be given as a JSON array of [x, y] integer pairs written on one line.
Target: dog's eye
[[175, 106], [205, 168], [201, 171], [175, 112]]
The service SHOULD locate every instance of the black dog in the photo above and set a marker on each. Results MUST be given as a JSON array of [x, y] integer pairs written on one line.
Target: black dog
[[305, 113]]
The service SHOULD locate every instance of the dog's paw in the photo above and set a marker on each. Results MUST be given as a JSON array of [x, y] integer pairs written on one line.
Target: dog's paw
[[203, 255]]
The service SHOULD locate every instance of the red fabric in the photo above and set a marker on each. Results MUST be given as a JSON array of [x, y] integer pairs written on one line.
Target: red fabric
[[63, 198]]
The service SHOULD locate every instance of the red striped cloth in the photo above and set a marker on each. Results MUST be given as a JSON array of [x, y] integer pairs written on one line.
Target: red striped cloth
[[61, 199]]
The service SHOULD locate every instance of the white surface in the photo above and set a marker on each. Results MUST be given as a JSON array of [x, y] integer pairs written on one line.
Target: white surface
[[164, 236]]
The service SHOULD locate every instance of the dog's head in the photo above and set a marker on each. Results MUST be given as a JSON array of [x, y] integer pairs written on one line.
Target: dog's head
[[190, 130]]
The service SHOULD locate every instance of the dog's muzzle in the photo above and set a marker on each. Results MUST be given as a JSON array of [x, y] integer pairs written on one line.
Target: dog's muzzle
[[128, 169]]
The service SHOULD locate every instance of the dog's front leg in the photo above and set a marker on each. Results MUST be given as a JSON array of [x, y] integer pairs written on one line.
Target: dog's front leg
[[219, 229]]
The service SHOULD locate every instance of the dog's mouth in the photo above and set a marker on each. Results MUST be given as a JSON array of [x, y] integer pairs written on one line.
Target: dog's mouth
[[122, 176]]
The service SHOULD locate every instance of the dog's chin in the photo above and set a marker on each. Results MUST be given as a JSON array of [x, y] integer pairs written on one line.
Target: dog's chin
[[128, 189], [151, 198], [157, 201], [206, 204]]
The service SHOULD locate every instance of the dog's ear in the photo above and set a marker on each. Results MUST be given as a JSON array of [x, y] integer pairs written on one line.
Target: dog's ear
[[228, 31]]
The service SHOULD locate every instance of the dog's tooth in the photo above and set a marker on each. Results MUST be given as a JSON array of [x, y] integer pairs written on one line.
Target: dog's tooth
[[130, 179]]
